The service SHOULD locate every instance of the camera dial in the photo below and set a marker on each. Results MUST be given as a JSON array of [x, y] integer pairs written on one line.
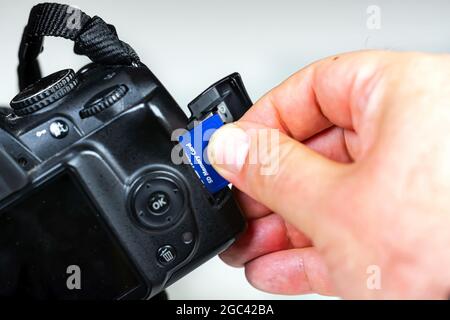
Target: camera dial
[[103, 100], [44, 92]]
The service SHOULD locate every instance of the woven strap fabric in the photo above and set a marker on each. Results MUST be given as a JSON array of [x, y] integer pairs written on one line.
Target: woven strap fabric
[[93, 38]]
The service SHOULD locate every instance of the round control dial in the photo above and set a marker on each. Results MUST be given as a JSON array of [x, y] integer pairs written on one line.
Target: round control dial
[[103, 100], [158, 201], [44, 92]]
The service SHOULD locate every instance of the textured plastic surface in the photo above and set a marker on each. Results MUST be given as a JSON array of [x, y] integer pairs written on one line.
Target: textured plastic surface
[[13, 178]]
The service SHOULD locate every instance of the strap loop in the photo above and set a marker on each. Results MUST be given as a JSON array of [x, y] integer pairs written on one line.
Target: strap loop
[[93, 38], [100, 43]]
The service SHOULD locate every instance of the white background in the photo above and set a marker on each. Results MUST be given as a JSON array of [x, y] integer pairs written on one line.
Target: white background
[[190, 44]]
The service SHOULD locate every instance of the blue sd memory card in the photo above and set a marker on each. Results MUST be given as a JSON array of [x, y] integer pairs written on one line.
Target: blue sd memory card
[[194, 144]]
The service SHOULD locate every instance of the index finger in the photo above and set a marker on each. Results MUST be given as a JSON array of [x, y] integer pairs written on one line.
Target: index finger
[[331, 92]]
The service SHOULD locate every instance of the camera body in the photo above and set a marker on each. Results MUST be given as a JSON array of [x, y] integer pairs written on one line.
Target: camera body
[[92, 205]]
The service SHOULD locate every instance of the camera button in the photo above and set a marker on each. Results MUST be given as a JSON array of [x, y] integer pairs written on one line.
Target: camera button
[[166, 254], [59, 129], [159, 203], [187, 237]]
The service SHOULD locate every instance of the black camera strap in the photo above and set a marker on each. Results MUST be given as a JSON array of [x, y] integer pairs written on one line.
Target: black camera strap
[[93, 38]]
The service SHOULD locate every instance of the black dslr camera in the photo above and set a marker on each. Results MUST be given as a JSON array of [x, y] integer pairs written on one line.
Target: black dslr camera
[[91, 204]]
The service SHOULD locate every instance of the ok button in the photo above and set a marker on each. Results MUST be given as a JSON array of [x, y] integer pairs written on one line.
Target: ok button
[[158, 203]]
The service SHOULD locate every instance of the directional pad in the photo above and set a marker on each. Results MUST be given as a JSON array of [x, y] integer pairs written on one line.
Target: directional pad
[[157, 201]]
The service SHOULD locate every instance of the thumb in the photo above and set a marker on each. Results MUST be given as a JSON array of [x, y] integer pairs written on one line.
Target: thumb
[[277, 171]]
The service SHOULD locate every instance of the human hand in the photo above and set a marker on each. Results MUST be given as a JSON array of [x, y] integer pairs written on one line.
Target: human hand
[[359, 180]]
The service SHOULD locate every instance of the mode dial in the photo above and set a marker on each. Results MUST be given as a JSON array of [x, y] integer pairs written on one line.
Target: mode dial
[[44, 92]]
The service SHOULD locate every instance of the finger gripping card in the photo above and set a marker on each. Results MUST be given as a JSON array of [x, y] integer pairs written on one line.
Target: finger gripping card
[[195, 143]]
